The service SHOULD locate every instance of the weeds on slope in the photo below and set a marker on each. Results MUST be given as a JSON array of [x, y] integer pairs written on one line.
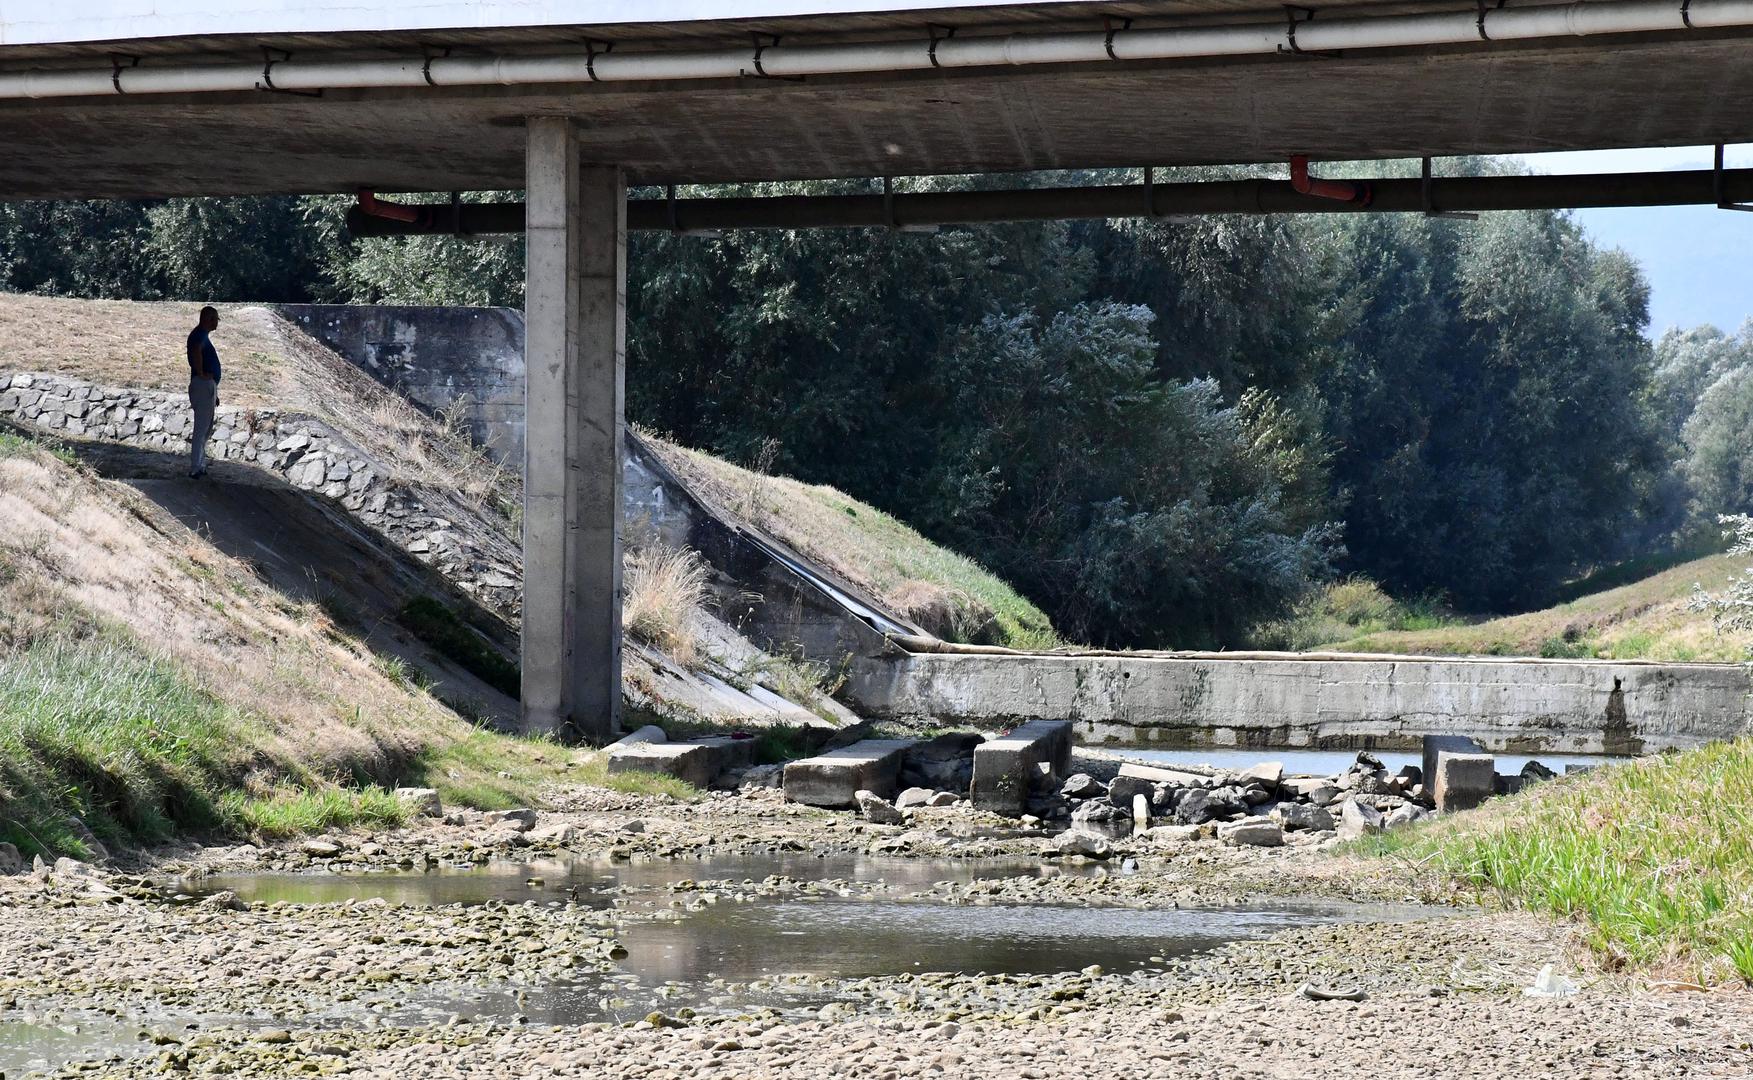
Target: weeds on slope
[[1653, 858]]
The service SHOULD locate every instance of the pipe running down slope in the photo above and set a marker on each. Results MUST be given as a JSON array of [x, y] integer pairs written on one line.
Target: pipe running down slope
[[601, 63]]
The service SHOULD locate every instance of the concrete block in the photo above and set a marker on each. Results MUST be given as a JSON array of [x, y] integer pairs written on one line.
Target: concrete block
[[650, 733], [1463, 781], [1003, 766], [834, 779], [698, 762], [1436, 744], [1251, 832], [1267, 772]]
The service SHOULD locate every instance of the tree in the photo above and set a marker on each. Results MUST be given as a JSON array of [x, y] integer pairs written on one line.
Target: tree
[[1136, 509], [91, 249], [247, 249]]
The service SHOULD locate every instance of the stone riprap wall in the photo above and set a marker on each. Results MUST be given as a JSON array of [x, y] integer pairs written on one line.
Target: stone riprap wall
[[1382, 703], [308, 453], [435, 356]]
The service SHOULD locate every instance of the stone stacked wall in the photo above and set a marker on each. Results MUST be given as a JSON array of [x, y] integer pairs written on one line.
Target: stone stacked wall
[[306, 452]]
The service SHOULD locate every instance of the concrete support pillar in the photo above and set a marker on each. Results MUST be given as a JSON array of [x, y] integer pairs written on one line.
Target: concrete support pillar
[[575, 346]]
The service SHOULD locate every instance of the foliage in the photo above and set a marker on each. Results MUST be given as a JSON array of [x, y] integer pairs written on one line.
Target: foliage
[[1344, 610], [664, 600], [1732, 608], [93, 249], [1483, 389], [246, 249], [1153, 516], [1655, 858]]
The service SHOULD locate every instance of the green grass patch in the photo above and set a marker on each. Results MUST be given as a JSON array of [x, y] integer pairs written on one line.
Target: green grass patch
[[296, 811], [1655, 858], [1349, 611], [445, 630], [595, 772], [96, 729], [485, 770]]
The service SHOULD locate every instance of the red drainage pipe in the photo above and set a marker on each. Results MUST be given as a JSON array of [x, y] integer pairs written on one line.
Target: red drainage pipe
[[370, 205], [1350, 191]]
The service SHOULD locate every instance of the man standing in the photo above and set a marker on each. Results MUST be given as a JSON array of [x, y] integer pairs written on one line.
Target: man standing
[[203, 389]]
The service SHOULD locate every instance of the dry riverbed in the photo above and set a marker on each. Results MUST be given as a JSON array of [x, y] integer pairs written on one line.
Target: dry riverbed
[[148, 969]]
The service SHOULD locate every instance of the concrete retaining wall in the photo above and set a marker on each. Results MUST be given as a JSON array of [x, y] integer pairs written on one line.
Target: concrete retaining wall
[[1510, 706], [436, 356]]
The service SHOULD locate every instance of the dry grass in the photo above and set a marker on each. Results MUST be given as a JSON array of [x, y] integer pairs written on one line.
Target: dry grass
[[1645, 620], [305, 703], [123, 343], [665, 600], [946, 593]]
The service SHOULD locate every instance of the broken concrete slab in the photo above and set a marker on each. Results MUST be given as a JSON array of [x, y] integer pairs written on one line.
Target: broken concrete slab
[[1003, 767], [834, 779], [1252, 832], [647, 734], [699, 762], [1436, 744], [1267, 772], [1167, 776], [1463, 781]]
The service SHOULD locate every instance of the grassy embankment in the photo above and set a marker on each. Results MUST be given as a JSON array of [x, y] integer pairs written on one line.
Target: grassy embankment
[[1654, 859], [947, 593], [151, 684], [1639, 611]]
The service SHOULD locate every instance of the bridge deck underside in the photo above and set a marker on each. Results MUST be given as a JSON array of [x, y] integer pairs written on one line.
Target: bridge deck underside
[[1489, 98]]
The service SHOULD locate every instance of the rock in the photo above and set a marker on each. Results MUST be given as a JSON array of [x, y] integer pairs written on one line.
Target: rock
[[1252, 832], [421, 800], [1301, 816], [1088, 844], [762, 776], [320, 849], [225, 899], [93, 846], [520, 820], [1167, 776], [1125, 788], [1268, 773], [1534, 771], [1463, 781], [878, 810], [915, 796], [1325, 795], [11, 862], [558, 832], [1140, 812], [647, 734], [1199, 806], [1405, 814], [1358, 819], [1102, 819], [943, 798], [631, 827], [1256, 794], [1179, 833], [1082, 786]]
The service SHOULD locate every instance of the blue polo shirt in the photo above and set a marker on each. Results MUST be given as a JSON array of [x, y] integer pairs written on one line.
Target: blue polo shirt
[[198, 336]]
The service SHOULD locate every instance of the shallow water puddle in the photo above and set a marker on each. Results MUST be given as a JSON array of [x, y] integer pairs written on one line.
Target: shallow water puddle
[[596, 882], [36, 1047]]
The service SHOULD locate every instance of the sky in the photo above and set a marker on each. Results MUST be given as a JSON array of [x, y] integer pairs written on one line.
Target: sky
[[1699, 259]]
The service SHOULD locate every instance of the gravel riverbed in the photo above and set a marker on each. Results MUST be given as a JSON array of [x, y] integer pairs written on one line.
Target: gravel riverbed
[[141, 969]]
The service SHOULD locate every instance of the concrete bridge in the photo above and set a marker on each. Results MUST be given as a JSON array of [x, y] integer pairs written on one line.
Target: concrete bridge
[[197, 97]]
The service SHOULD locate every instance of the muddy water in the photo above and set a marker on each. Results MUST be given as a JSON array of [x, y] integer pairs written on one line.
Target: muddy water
[[598, 882]]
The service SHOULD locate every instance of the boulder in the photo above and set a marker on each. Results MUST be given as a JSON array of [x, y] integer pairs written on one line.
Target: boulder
[[320, 849], [942, 798], [914, 796], [1102, 819], [1082, 786], [1124, 788], [1534, 771], [878, 810], [1267, 773], [11, 862], [1406, 815], [520, 820], [1089, 845], [422, 801], [1358, 819], [1251, 832], [1301, 816]]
